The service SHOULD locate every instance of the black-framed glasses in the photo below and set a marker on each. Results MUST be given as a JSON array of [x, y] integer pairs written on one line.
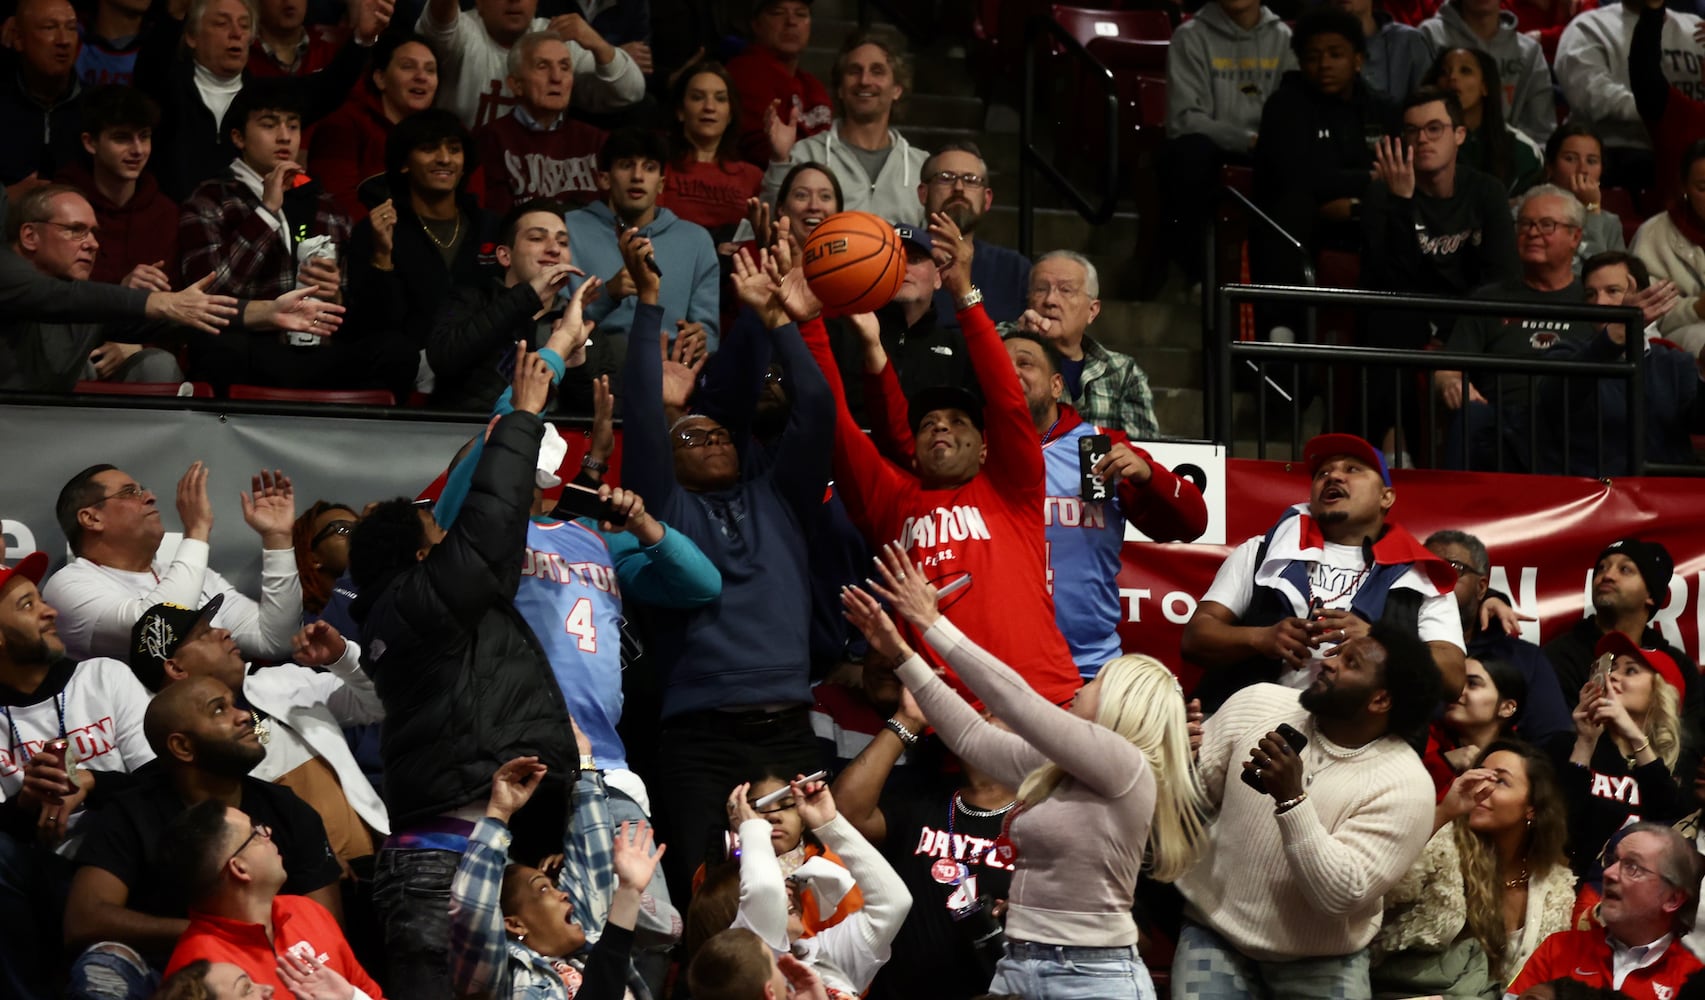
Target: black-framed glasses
[[335, 528], [258, 830], [700, 437], [1463, 569], [135, 491], [1432, 130], [949, 179], [1544, 227]]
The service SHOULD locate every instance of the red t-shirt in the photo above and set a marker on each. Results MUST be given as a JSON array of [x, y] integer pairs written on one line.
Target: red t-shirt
[[990, 529], [710, 194], [299, 925], [759, 78], [1584, 956]]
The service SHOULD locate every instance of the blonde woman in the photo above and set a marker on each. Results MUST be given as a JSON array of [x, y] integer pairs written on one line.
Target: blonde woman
[[1493, 882], [1107, 791], [1627, 744]]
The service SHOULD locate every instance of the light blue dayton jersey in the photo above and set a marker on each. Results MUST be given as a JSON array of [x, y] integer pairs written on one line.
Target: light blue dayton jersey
[[570, 598], [1083, 554]]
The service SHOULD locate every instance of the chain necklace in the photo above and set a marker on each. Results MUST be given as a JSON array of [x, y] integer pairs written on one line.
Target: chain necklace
[[960, 806], [1519, 882], [1326, 758], [455, 234]]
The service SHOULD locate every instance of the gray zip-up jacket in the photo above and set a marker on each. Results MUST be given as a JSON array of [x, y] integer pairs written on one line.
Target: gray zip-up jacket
[[1218, 76], [892, 194], [1528, 102]]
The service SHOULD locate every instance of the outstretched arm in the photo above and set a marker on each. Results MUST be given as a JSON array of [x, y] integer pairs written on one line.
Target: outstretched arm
[[648, 462]]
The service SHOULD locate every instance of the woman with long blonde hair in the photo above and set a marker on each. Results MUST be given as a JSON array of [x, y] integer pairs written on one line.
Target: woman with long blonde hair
[[1627, 726], [1107, 791]]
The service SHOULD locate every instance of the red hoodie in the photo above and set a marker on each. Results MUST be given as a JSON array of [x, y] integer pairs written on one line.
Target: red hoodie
[[760, 78], [142, 231], [349, 147]]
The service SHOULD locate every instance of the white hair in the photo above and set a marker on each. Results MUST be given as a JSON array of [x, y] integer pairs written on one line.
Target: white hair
[[198, 8], [1571, 205], [523, 48], [1091, 279]]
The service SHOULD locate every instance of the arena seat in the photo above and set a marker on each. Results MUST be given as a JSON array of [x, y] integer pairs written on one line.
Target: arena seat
[[347, 397], [199, 390]]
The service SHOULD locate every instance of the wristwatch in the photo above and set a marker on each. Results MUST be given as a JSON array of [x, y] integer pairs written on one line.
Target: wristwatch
[[588, 462], [587, 763], [909, 738], [969, 299]]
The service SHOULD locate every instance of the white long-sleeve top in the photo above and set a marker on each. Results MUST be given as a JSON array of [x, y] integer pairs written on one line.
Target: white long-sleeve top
[[1307, 883], [848, 955], [98, 605], [1592, 68], [309, 710], [473, 71]]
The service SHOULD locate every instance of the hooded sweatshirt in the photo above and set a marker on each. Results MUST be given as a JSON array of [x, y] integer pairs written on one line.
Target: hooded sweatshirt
[[1219, 75], [1528, 104], [685, 255], [1397, 58], [1592, 66], [143, 230], [349, 147]]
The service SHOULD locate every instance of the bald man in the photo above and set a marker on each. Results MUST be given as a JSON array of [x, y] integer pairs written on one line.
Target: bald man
[[120, 908], [41, 97]]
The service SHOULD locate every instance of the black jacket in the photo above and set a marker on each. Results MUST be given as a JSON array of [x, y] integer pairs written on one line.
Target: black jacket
[[465, 683], [39, 140], [472, 346], [410, 297], [1319, 144]]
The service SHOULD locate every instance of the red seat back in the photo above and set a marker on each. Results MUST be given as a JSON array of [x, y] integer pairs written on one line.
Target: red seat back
[[199, 390], [355, 397]]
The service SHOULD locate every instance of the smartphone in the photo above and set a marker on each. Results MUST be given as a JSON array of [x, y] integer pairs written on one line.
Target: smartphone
[[582, 502], [1288, 733], [1601, 671], [650, 258], [1091, 449], [765, 801]]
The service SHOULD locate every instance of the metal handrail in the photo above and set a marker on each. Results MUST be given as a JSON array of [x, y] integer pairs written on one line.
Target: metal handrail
[[1221, 351], [1030, 157]]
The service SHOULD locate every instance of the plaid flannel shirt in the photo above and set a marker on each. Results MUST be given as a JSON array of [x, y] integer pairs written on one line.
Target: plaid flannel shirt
[[1114, 391], [223, 229], [483, 960]]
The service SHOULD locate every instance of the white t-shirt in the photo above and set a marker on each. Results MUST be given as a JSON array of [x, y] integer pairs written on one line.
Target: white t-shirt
[[98, 605], [1334, 580], [473, 71]]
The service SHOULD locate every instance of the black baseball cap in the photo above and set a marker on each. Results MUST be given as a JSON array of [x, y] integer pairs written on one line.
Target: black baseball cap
[[161, 630], [943, 397]]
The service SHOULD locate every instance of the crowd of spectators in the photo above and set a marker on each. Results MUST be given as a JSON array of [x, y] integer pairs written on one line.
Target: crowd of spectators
[[822, 692]]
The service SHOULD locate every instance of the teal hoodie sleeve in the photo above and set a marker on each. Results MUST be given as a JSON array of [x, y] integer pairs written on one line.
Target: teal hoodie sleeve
[[674, 573], [462, 476]]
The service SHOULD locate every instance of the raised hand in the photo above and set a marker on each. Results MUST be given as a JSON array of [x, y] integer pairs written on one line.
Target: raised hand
[[549, 281], [1122, 462], [193, 307], [271, 509], [308, 978], [802, 982], [792, 290], [866, 614], [904, 587], [1394, 163], [383, 219], [513, 786], [195, 510], [952, 251], [317, 644], [740, 807], [276, 182], [757, 289], [641, 54], [571, 331], [691, 341], [532, 381], [640, 524], [1470, 788], [679, 380], [603, 421], [813, 800], [782, 131], [635, 249], [758, 214], [635, 855], [372, 17]]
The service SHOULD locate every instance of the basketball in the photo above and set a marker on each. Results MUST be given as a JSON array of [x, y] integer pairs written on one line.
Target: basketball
[[854, 263]]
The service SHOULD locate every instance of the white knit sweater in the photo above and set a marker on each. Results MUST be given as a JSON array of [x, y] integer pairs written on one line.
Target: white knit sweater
[[1308, 883]]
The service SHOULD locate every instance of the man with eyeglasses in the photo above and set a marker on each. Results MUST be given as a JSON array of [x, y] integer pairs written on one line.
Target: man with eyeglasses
[[58, 233], [226, 865], [735, 674], [1548, 231], [878, 169], [1651, 894], [113, 526], [1542, 718], [956, 181], [125, 910]]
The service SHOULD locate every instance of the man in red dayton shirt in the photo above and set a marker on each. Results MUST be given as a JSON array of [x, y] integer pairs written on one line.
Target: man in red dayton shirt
[[1651, 890], [231, 873], [971, 509]]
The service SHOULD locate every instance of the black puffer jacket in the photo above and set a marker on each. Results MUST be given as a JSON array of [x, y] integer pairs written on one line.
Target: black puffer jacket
[[465, 683]]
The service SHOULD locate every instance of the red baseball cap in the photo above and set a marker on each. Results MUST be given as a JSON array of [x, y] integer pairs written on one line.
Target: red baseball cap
[[1618, 644], [31, 567], [1324, 446]]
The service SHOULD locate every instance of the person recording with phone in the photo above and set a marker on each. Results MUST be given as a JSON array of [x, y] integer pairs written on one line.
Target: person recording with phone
[[1106, 790], [1331, 809]]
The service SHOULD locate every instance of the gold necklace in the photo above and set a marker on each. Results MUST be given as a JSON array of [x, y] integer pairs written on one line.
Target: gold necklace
[[455, 234], [1519, 882]]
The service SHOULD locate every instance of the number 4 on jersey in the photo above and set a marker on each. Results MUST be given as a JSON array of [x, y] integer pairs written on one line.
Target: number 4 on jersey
[[579, 624]]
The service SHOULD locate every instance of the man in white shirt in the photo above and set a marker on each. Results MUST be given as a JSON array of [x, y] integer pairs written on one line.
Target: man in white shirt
[[300, 712], [1284, 601], [113, 526], [473, 58], [96, 707]]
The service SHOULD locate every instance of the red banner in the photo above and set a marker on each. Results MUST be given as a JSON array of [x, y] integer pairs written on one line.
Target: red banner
[[1543, 534]]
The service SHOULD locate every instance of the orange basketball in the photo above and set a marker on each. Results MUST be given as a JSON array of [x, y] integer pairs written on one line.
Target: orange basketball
[[854, 263]]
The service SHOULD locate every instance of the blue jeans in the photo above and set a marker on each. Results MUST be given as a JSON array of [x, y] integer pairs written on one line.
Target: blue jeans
[[1056, 972], [1207, 967], [111, 971], [33, 884], [411, 892]]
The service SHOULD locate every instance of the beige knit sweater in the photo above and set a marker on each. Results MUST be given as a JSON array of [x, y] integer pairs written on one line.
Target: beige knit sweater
[[1308, 883]]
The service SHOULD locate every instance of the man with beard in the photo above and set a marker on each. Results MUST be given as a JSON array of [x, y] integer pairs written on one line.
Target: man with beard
[[1307, 839], [1283, 602], [956, 182], [1543, 717], [96, 708], [122, 908], [1651, 892]]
